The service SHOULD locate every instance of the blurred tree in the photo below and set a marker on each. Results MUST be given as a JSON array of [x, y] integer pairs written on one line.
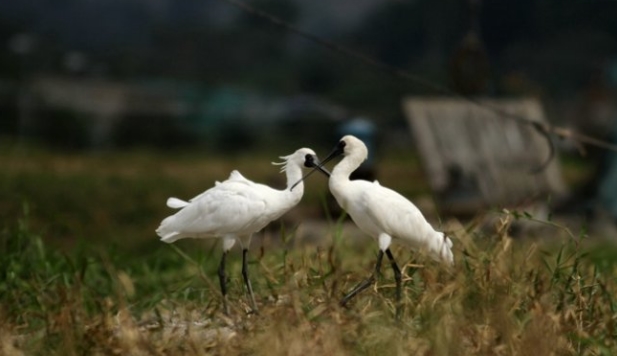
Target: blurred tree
[[553, 43], [469, 65]]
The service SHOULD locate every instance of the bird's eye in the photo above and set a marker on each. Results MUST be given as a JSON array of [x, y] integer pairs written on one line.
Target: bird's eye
[[342, 144], [309, 161]]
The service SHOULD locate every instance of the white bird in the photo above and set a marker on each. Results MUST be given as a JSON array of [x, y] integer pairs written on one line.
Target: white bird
[[381, 213], [235, 209]]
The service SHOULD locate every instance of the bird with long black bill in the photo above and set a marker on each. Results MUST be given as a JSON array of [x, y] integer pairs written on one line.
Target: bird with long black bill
[[381, 213], [233, 210]]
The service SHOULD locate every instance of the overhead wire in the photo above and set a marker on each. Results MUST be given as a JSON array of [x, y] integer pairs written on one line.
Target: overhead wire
[[543, 128]]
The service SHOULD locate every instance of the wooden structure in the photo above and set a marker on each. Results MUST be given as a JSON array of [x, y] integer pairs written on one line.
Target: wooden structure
[[475, 160]]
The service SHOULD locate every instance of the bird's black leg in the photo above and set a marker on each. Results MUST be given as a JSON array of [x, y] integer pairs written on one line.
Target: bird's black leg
[[223, 282], [247, 282], [397, 278], [365, 283]]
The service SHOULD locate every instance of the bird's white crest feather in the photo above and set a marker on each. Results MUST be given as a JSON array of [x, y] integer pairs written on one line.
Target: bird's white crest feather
[[284, 163]]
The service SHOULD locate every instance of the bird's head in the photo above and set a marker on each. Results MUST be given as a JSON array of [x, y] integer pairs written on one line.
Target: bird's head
[[348, 145], [304, 158]]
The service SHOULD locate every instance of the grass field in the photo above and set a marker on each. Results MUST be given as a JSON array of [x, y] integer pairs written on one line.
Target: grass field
[[84, 273]]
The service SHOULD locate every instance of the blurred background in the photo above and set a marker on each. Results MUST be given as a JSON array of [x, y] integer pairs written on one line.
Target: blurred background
[[108, 107]]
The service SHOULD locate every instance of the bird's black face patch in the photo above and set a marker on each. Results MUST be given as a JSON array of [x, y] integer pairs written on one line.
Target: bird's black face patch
[[312, 162], [309, 161], [340, 148]]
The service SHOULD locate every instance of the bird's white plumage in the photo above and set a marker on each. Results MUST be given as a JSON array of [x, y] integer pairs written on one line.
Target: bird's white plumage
[[176, 203], [235, 208], [233, 176], [381, 212]]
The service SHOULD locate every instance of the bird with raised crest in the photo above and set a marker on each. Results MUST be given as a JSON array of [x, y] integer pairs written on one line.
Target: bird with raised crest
[[235, 209]]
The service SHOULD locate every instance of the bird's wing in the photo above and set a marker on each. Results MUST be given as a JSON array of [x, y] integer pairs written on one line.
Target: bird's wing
[[387, 211], [224, 209], [237, 176], [197, 197], [393, 213], [234, 176]]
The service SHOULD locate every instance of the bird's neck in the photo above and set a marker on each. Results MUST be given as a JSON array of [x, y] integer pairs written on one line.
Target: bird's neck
[[343, 170], [339, 180], [294, 174]]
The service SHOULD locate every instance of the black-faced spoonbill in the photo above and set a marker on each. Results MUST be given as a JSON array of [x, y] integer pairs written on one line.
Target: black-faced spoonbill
[[235, 209], [381, 213]]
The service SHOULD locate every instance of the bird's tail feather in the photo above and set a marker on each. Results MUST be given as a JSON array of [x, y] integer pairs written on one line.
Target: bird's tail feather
[[165, 231], [446, 250], [176, 203], [168, 236], [171, 237]]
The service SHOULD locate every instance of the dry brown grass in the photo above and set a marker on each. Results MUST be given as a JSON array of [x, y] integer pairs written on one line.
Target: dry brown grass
[[504, 297]]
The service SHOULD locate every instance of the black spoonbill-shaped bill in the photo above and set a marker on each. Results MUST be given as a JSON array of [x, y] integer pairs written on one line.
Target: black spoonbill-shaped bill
[[235, 209], [381, 213]]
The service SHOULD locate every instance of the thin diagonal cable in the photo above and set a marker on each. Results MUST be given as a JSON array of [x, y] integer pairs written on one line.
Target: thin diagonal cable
[[542, 128]]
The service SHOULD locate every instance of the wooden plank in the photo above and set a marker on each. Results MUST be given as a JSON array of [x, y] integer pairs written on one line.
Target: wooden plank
[[478, 159]]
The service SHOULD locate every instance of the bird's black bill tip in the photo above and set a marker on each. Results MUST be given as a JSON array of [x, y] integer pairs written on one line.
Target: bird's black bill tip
[[311, 161], [323, 170]]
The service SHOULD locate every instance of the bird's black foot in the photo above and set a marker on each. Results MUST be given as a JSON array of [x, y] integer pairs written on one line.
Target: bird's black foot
[[398, 280], [365, 283], [223, 283], [247, 282]]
